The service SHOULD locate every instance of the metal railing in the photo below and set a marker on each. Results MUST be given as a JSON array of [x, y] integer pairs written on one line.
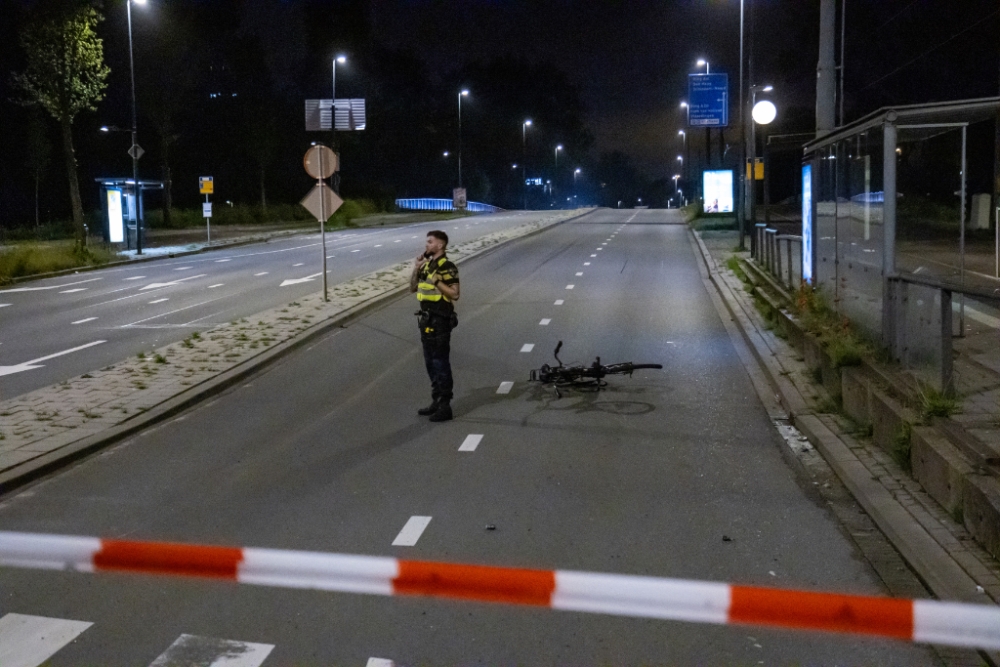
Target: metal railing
[[774, 253]]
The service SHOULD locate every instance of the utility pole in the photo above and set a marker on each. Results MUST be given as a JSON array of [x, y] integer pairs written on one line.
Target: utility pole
[[740, 213], [826, 69]]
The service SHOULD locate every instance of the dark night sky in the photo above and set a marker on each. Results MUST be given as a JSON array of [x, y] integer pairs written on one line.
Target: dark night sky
[[628, 58]]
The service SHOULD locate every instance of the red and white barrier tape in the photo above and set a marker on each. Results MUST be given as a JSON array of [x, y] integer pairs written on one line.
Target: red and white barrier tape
[[954, 624]]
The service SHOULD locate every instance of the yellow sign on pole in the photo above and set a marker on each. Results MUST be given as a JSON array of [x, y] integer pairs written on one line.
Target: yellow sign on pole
[[206, 185], [758, 170]]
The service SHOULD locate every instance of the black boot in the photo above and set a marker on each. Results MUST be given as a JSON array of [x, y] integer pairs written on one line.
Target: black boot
[[443, 413], [430, 409]]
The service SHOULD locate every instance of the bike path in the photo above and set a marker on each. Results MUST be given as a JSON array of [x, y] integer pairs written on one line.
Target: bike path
[[324, 451]]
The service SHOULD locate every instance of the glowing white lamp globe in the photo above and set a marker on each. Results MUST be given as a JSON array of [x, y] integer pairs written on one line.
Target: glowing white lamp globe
[[764, 112]]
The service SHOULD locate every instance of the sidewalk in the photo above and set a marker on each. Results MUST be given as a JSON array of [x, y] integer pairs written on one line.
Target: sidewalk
[[44, 429], [940, 550]]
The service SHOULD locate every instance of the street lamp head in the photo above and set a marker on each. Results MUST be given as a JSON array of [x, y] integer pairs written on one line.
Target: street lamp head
[[768, 89], [680, 158], [559, 147], [527, 122], [513, 166], [138, 2], [577, 171], [684, 105], [681, 133], [465, 93], [701, 62], [341, 59], [445, 153], [105, 128], [764, 112]]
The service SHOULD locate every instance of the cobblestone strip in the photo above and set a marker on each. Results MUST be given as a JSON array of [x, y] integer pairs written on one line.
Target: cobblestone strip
[[50, 418], [925, 511]]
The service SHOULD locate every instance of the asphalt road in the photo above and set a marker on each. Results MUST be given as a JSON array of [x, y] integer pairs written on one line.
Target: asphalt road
[[324, 451], [132, 309]]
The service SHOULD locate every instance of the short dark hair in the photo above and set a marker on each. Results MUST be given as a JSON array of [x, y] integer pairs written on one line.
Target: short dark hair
[[438, 234]]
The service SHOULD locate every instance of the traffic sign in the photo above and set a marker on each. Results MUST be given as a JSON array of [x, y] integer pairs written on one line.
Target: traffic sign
[[459, 199], [136, 151], [206, 185], [320, 162], [708, 100], [322, 202], [206, 209], [758, 169]]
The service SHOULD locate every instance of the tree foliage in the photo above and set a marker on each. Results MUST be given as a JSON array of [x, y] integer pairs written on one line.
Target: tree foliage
[[66, 73]]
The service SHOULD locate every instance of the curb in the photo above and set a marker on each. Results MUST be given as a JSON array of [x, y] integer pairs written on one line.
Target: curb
[[930, 562], [43, 465]]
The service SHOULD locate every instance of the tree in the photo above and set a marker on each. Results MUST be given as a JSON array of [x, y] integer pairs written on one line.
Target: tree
[[65, 75], [38, 154]]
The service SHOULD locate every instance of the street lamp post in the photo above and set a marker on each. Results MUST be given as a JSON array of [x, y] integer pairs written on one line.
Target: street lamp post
[[463, 93], [761, 114], [524, 160], [134, 150], [684, 138], [333, 117]]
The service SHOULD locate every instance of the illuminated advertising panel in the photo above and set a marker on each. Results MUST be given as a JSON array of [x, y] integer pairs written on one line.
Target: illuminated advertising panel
[[116, 228], [807, 225], [718, 188]]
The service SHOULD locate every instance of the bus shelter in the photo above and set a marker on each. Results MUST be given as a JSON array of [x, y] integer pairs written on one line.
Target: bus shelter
[[123, 206]]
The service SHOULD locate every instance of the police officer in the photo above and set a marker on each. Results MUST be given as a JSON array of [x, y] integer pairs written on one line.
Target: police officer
[[435, 281]]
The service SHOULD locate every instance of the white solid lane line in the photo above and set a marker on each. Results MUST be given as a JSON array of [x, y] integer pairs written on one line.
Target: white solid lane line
[[212, 652], [216, 285], [412, 531], [559, 302], [29, 641], [31, 365], [159, 300], [471, 442], [570, 286], [262, 273], [505, 387], [41, 289], [74, 290], [136, 278], [545, 322], [527, 347], [89, 319]]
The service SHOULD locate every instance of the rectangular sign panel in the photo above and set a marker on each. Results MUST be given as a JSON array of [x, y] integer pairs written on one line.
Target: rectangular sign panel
[[807, 225], [718, 188], [459, 199], [206, 185], [116, 225], [708, 100], [347, 115], [206, 209]]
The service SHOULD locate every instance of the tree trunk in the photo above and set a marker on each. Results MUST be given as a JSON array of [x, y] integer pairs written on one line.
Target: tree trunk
[[37, 178], [263, 196], [74, 184], [168, 202]]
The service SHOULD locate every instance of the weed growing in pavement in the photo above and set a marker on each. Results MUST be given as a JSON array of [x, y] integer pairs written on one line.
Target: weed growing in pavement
[[160, 359], [294, 303], [934, 403], [834, 332], [87, 414], [195, 336], [827, 406], [187, 343], [2, 436], [86, 376], [901, 446], [141, 355]]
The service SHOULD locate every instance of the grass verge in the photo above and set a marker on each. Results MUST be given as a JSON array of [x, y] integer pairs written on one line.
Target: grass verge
[[28, 259]]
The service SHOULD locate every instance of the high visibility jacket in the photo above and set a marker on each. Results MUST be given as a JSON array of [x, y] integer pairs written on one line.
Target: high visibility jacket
[[446, 272]]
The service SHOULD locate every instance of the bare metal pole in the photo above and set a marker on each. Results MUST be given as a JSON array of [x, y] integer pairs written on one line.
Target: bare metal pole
[[843, 22], [134, 149], [460, 139], [741, 215], [961, 238], [322, 220], [826, 82]]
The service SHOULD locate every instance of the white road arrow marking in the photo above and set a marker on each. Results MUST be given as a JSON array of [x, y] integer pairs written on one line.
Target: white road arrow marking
[[296, 281], [4, 305], [39, 289], [172, 282], [36, 363]]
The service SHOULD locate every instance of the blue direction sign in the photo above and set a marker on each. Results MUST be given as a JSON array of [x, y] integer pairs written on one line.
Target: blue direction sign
[[708, 100]]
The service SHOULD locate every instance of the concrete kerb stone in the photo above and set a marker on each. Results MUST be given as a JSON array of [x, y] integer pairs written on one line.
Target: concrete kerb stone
[[77, 446], [929, 560]]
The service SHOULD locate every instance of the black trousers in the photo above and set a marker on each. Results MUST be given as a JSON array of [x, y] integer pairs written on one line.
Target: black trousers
[[437, 350]]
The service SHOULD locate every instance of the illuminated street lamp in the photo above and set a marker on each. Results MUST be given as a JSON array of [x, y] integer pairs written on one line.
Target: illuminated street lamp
[[558, 148], [704, 63], [461, 94], [762, 113]]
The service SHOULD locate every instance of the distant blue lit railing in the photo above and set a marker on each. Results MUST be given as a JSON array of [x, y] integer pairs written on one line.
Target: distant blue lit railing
[[427, 204]]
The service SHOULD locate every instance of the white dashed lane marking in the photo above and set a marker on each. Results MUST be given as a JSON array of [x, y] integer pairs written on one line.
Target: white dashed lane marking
[[412, 531], [4, 305], [216, 285], [586, 263], [212, 652], [570, 286], [527, 347], [380, 662], [471, 442], [219, 261], [579, 273], [379, 245], [159, 301], [28, 641], [262, 273], [74, 290], [141, 277], [89, 319], [505, 387], [183, 268], [593, 255], [299, 264], [355, 251], [559, 302], [545, 322]]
